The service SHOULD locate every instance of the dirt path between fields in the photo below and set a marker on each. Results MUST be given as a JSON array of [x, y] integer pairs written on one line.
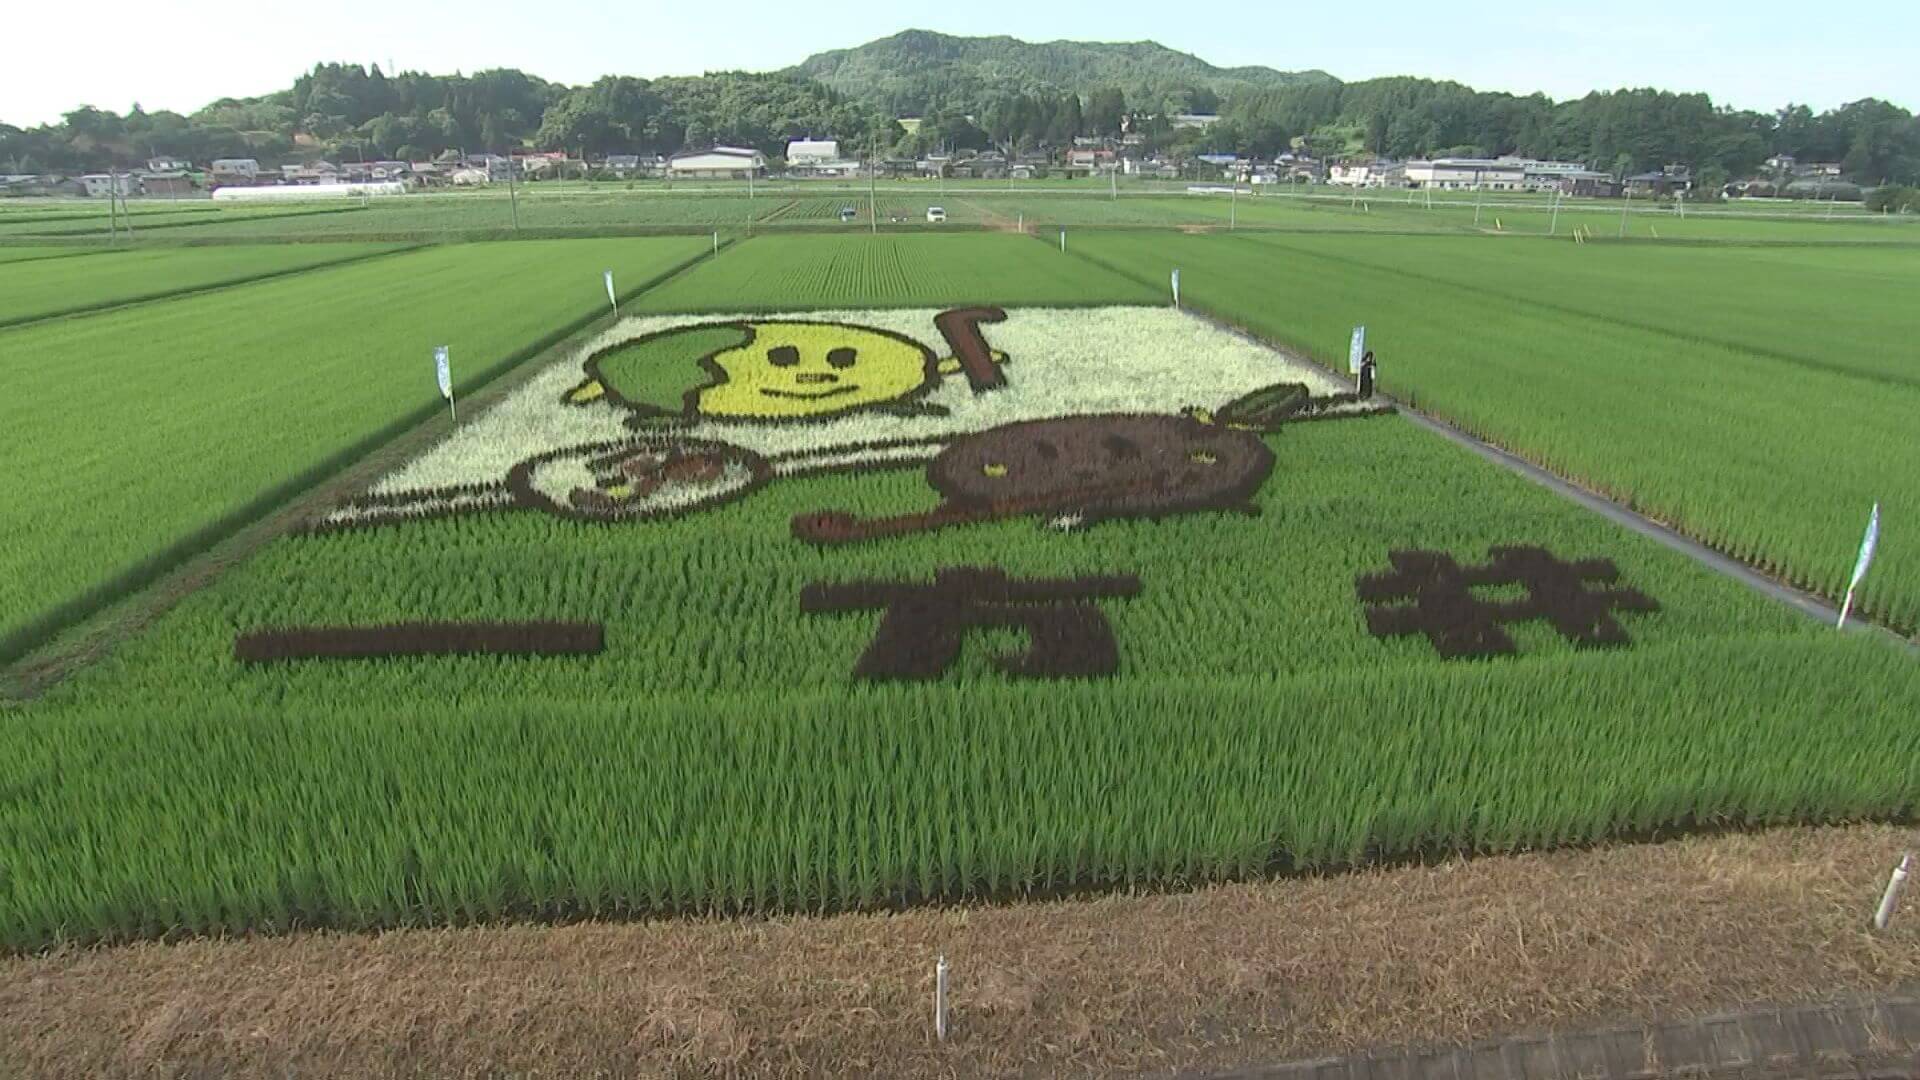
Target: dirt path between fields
[[1214, 979]]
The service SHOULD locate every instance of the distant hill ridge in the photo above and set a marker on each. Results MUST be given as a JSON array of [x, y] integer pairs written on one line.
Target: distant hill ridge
[[911, 69]]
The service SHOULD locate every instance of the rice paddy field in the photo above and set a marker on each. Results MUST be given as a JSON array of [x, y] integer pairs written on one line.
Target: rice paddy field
[[576, 209], [847, 571], [786, 272], [138, 435], [166, 220], [30, 291], [1757, 400]]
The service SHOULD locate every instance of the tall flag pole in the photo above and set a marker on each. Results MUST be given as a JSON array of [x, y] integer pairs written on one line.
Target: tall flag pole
[[443, 373], [611, 298], [1867, 544]]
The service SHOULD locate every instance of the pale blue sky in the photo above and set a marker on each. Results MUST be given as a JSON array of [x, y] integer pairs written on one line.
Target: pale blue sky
[[179, 56]]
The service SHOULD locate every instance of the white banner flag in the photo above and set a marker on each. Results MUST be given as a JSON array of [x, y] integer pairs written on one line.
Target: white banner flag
[[1176, 286], [611, 298], [443, 374], [1867, 544], [1356, 349]]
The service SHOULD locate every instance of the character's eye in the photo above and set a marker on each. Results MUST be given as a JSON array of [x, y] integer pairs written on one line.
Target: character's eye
[[841, 357], [994, 469], [1046, 450], [1121, 449], [783, 356], [1202, 457]]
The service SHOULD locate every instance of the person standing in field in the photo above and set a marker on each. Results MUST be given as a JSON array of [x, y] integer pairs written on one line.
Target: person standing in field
[[1366, 375]]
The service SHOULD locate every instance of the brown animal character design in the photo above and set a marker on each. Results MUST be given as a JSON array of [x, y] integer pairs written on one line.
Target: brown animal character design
[[1076, 471]]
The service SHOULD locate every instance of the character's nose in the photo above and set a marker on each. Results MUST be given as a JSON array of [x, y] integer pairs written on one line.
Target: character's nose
[[816, 376]]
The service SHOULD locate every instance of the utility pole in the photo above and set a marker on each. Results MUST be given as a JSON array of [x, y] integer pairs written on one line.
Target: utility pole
[[873, 152], [513, 194], [1233, 206], [113, 218], [114, 204], [1553, 227], [1479, 193], [1625, 208]]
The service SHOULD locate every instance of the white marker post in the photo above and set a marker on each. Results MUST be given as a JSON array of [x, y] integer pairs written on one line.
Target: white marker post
[[1176, 286], [1356, 349], [611, 298], [940, 999], [443, 373], [716, 241], [1867, 544], [1063, 240], [1891, 897]]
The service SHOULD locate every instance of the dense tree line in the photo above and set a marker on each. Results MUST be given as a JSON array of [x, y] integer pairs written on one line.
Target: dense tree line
[[917, 72], [1620, 131], [356, 113], [348, 111]]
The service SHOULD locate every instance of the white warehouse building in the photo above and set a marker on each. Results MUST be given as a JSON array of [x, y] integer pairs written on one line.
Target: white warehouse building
[[1466, 174], [818, 157], [719, 163], [1491, 174]]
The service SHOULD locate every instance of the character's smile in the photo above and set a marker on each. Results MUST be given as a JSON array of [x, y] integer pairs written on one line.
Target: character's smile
[[834, 391]]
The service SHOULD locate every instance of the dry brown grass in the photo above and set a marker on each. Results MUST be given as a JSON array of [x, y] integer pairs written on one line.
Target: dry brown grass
[[1213, 978]]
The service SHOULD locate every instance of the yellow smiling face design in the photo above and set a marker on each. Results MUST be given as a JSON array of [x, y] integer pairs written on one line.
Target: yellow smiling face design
[[799, 369]]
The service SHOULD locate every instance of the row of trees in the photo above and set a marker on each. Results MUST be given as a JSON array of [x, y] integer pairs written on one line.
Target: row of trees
[[349, 111], [1626, 130], [344, 110]]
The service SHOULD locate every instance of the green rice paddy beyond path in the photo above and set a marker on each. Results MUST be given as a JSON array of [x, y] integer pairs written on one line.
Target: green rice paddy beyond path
[[773, 272], [1773, 457], [135, 437], [37, 289]]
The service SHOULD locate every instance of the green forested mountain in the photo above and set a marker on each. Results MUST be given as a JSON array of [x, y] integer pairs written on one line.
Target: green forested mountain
[[972, 93], [915, 71]]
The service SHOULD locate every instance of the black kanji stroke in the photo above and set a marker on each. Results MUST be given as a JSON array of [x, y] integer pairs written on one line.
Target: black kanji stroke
[[923, 625], [1429, 592]]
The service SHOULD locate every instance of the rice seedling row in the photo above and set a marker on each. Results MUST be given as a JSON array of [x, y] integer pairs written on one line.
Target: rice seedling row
[[718, 756], [135, 436], [885, 270], [1735, 448], [36, 290], [1836, 309], [856, 571]]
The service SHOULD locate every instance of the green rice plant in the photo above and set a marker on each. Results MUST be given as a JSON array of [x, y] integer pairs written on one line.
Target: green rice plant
[[785, 272], [136, 437], [96, 219], [717, 757], [1841, 309], [31, 254], [1742, 450], [36, 290]]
